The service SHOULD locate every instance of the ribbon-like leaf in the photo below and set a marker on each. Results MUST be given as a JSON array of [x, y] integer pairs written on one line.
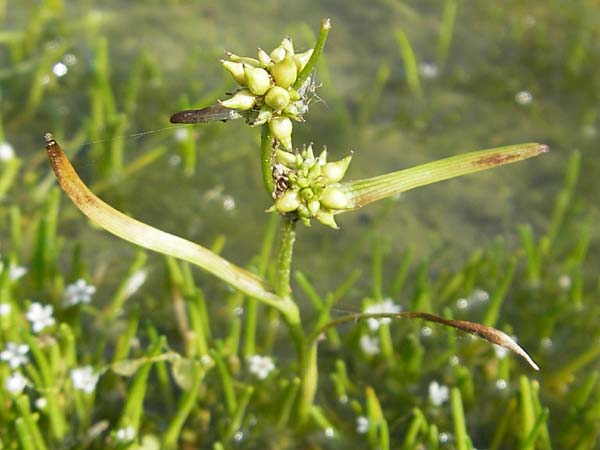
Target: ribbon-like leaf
[[490, 334], [154, 239], [362, 192]]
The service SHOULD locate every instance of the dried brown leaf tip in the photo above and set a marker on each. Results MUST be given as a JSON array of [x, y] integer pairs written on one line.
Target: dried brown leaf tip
[[488, 333], [498, 159]]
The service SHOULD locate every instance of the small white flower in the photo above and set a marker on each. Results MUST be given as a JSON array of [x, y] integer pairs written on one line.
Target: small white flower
[[41, 403], [362, 424], [228, 203], [500, 351], [6, 151], [15, 383], [84, 378], [14, 272], [369, 345], [565, 282], [78, 292], [387, 306], [125, 434], [438, 393], [40, 316], [523, 97], [5, 309], [428, 70], [15, 354], [260, 366]]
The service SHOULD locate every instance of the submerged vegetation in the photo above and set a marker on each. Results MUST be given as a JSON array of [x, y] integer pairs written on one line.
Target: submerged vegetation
[[165, 357]]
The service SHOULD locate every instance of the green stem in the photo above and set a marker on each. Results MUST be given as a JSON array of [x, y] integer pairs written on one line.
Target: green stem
[[318, 50], [309, 380], [266, 146], [287, 237]]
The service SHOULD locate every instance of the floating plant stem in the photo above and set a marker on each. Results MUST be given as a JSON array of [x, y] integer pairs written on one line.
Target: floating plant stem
[[153, 239]]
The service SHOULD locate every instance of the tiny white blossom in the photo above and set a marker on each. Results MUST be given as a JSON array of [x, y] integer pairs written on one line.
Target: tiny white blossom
[[41, 403], [228, 203], [6, 151], [523, 97], [565, 282], [362, 424], [14, 272], [5, 309], [438, 393], [500, 351], [15, 354], [260, 366], [15, 383], [387, 306], [125, 434], [78, 292], [40, 316], [428, 70], [369, 345], [84, 378]]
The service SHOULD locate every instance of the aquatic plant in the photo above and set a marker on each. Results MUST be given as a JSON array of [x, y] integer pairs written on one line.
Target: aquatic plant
[[274, 91]]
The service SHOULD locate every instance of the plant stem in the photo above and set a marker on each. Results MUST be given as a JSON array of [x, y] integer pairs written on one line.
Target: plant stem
[[318, 50], [266, 162], [287, 237]]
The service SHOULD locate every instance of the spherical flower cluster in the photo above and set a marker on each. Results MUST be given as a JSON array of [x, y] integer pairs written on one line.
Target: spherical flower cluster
[[267, 90], [312, 188]]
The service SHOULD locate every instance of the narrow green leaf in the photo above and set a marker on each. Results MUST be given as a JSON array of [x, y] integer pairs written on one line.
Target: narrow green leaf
[[363, 192]]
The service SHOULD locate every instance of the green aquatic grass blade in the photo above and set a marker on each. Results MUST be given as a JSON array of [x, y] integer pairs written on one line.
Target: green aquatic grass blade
[[446, 32], [458, 417], [134, 405], [527, 413], [363, 192], [184, 408], [31, 422], [418, 424], [410, 63]]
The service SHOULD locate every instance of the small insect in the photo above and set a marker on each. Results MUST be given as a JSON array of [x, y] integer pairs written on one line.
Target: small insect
[[211, 113]]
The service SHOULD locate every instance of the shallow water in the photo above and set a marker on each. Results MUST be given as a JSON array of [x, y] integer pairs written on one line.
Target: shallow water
[[515, 73]]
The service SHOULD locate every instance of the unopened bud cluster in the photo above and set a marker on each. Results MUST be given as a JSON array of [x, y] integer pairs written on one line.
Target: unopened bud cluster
[[313, 186], [266, 88]]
